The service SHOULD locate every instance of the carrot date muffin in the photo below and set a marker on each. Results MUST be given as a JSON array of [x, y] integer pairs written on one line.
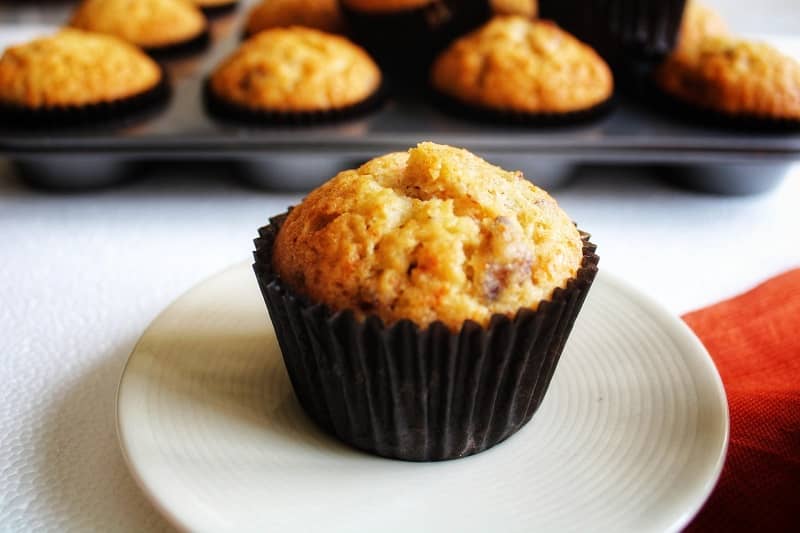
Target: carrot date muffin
[[420, 278], [155, 25], [522, 67], [76, 70], [734, 77], [320, 14], [295, 72]]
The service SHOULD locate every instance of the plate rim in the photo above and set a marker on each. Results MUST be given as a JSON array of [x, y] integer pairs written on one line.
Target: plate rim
[[643, 299]]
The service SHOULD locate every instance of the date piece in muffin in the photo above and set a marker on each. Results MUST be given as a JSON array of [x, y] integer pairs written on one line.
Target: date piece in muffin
[[73, 71], [294, 72], [435, 233], [522, 68], [155, 25], [320, 14], [734, 77]]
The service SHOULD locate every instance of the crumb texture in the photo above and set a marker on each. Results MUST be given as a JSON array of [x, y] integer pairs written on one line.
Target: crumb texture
[[74, 68], [516, 64], [435, 233], [297, 69]]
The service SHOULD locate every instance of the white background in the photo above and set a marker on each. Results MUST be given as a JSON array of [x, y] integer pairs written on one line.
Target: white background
[[82, 275]]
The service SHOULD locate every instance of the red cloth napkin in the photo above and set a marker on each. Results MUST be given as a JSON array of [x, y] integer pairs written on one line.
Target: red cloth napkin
[[754, 340]]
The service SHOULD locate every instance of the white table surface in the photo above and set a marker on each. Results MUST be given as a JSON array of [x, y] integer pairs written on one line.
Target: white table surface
[[82, 275]]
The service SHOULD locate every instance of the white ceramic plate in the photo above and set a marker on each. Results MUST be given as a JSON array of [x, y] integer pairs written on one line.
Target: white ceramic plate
[[630, 437]]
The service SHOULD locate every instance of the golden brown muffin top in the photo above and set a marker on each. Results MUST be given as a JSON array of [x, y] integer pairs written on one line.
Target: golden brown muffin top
[[146, 23], [435, 233], [522, 65], [320, 14], [699, 21], [734, 76], [383, 6], [74, 68], [525, 8], [296, 69]]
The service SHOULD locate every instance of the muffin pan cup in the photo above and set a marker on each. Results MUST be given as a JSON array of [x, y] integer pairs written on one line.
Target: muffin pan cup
[[415, 394], [227, 110], [405, 42], [467, 111], [117, 112]]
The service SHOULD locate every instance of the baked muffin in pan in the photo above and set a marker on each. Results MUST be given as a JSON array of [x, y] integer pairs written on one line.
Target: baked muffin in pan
[[77, 77], [518, 70], [295, 75]]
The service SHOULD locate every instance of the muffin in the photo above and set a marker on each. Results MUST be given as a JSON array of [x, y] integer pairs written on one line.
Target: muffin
[[525, 8], [215, 7], [405, 35], [515, 68], [76, 76], [738, 79], [422, 301], [294, 74], [699, 21], [320, 14], [158, 26]]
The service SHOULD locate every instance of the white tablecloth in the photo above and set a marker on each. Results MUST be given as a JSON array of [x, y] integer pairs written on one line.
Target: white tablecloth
[[82, 275]]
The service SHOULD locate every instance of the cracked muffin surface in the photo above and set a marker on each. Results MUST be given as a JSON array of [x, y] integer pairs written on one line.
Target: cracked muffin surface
[[145, 23], [296, 69], [516, 64], [74, 68], [435, 233]]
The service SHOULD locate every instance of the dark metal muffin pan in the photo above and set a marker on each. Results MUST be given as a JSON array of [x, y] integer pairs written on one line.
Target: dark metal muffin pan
[[300, 157]]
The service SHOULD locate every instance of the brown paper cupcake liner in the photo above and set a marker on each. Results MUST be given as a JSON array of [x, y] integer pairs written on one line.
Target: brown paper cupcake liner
[[114, 113], [415, 394], [219, 10], [674, 107], [621, 30], [463, 110], [173, 51], [227, 110]]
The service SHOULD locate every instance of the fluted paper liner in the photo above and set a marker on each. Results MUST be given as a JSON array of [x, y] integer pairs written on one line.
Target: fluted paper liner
[[455, 107], [112, 113], [416, 394], [227, 110]]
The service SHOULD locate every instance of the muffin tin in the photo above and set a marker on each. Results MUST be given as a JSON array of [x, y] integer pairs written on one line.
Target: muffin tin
[[301, 157]]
